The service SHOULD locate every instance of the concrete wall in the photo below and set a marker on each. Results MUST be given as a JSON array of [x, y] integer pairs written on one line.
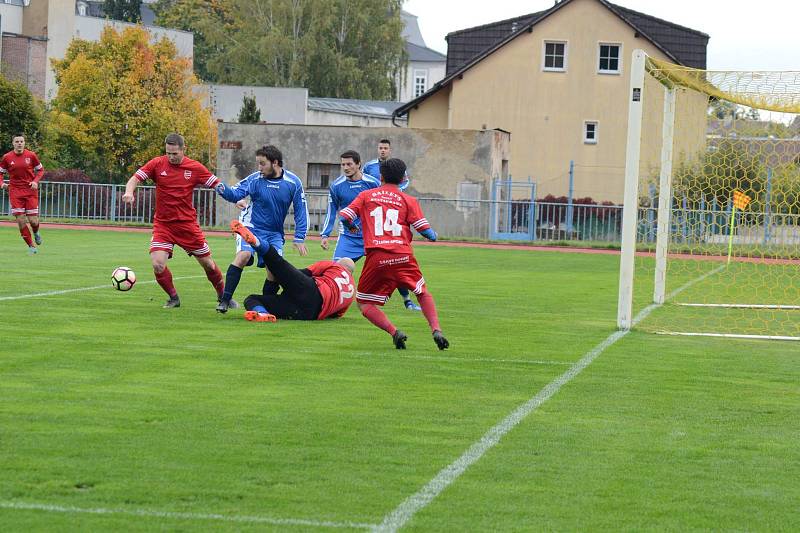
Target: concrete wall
[[11, 18], [331, 118], [284, 105], [90, 28], [442, 163], [545, 111]]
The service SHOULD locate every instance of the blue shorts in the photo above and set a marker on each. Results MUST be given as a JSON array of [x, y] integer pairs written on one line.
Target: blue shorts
[[348, 247], [268, 238], [242, 246]]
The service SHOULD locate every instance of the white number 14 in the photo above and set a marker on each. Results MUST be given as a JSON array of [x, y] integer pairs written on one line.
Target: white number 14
[[390, 225]]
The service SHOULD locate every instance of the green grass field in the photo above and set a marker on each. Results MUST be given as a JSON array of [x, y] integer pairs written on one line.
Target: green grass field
[[116, 414]]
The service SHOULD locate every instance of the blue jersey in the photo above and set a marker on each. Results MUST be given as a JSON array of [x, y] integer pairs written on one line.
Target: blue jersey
[[271, 199], [340, 194], [373, 168]]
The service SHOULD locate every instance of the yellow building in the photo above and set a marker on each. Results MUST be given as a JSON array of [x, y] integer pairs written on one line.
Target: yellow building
[[558, 80]]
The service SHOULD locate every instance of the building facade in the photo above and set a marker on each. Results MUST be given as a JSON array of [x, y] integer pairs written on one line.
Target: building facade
[[27, 27], [425, 65], [558, 80]]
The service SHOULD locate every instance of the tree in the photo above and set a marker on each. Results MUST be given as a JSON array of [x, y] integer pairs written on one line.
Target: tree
[[211, 21], [250, 113], [117, 100], [335, 48], [127, 10], [723, 109], [19, 113]]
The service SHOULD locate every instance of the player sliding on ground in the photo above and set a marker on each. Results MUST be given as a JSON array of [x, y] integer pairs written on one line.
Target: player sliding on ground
[[387, 215], [322, 290]]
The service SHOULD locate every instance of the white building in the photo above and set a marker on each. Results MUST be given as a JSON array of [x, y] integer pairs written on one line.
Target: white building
[[425, 66]]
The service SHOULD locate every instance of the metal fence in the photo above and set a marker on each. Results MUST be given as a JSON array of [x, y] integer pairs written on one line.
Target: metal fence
[[473, 219]]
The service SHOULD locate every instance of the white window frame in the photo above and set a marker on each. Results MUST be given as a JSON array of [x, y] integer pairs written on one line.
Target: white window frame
[[544, 55], [586, 124], [419, 74], [616, 72]]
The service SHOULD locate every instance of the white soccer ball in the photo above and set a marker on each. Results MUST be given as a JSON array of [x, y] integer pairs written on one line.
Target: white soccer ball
[[123, 278]]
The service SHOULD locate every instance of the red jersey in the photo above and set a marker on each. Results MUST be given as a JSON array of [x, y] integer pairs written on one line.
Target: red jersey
[[387, 216], [21, 169], [335, 284], [175, 185]]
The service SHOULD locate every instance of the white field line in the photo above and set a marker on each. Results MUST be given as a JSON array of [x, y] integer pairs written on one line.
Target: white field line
[[746, 306], [22, 506], [730, 336], [419, 500], [82, 289]]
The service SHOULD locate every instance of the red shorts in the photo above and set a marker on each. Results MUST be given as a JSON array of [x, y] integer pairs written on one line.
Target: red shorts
[[384, 272], [187, 235], [24, 201]]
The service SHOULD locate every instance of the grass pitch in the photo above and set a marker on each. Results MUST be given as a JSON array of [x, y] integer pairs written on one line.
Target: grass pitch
[[116, 414]]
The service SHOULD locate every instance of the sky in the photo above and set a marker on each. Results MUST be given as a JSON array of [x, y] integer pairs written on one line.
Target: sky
[[745, 34]]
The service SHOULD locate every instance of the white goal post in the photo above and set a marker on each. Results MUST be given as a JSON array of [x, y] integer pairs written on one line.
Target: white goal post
[[711, 202]]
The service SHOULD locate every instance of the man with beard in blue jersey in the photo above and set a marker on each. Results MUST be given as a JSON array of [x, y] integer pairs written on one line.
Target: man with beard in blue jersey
[[272, 191], [342, 192], [372, 168]]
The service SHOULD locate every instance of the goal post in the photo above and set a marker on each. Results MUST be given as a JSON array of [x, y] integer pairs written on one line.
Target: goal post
[[711, 219]]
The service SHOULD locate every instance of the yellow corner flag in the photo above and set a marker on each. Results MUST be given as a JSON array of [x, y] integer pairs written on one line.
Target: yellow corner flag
[[740, 200]]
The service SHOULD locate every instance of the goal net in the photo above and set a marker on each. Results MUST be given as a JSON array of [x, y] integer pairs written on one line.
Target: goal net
[[711, 230]]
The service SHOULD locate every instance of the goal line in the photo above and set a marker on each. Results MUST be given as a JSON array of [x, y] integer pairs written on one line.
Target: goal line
[[744, 306], [730, 336]]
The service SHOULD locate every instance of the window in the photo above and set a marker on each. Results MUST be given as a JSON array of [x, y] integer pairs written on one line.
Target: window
[[609, 59], [555, 56], [590, 132], [320, 175], [420, 82]]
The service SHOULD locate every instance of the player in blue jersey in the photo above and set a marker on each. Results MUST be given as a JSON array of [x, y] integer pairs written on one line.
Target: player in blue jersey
[[372, 168], [342, 192], [272, 191]]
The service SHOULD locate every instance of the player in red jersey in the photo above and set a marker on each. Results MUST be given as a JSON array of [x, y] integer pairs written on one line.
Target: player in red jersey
[[24, 172], [322, 290], [387, 215], [175, 221]]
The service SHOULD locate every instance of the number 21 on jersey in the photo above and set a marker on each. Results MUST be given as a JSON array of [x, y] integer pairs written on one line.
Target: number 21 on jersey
[[345, 283], [387, 224]]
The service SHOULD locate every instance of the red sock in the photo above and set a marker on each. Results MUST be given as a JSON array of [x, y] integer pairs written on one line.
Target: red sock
[[26, 235], [429, 310], [216, 279], [377, 317], [165, 280], [34, 226]]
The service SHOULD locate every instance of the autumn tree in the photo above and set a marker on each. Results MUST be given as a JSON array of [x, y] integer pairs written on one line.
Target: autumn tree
[[19, 113], [249, 113], [117, 100], [335, 48]]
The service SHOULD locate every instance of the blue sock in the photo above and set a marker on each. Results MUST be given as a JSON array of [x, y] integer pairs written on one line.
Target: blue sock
[[232, 277], [404, 293], [260, 309]]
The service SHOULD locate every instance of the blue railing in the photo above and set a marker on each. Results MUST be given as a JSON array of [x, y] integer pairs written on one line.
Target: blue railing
[[455, 218]]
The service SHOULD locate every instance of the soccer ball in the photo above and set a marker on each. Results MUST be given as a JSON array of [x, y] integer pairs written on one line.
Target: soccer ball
[[123, 278]]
